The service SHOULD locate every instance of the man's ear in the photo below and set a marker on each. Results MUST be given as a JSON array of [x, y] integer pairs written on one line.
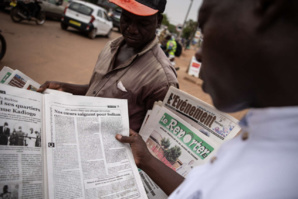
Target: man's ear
[[269, 11]]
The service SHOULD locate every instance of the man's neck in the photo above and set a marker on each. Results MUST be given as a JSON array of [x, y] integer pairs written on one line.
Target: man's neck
[[124, 53]]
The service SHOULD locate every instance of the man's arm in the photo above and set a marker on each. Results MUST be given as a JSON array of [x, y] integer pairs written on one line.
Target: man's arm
[[167, 179], [158, 95], [75, 89]]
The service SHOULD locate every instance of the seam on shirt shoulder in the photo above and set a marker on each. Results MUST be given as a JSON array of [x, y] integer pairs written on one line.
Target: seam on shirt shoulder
[[156, 55]]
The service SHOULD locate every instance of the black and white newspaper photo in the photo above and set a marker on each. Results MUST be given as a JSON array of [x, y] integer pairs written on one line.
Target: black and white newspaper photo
[[20, 143], [63, 146]]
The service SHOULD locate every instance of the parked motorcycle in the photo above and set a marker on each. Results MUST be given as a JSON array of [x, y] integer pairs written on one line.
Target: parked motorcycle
[[2, 46], [21, 11]]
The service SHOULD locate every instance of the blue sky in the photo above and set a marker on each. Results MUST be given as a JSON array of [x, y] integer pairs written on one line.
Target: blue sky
[[176, 10]]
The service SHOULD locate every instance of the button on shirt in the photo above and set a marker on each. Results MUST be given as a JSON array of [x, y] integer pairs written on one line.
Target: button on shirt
[[262, 165], [142, 79]]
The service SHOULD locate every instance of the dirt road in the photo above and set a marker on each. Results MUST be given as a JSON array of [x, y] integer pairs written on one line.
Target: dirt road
[[49, 53]]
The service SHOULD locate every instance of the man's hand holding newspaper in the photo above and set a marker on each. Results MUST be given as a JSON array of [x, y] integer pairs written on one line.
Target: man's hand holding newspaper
[[166, 178]]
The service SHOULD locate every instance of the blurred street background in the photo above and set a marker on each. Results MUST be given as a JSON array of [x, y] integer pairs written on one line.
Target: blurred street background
[[46, 52]]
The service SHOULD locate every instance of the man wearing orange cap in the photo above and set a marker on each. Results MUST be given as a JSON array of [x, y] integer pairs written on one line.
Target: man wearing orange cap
[[133, 66]]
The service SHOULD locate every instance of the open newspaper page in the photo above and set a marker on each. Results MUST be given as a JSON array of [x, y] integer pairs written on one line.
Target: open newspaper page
[[176, 143], [20, 143], [84, 160], [217, 125], [18, 79]]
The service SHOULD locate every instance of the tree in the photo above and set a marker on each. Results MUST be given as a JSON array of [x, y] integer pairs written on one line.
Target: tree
[[172, 28], [172, 154], [189, 29], [165, 143], [166, 22]]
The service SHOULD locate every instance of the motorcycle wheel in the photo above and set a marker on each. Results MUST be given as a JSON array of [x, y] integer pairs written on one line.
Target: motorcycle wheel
[[14, 15], [2, 46], [41, 18]]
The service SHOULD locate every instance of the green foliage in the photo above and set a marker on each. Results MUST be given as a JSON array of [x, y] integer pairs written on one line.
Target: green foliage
[[172, 28], [165, 143], [172, 154], [189, 29], [166, 22]]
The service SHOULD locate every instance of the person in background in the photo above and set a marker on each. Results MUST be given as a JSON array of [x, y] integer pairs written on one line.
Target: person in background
[[38, 139], [133, 66], [13, 139], [172, 60], [21, 137], [34, 8], [6, 194], [163, 34], [241, 41], [171, 46], [4, 134], [30, 139]]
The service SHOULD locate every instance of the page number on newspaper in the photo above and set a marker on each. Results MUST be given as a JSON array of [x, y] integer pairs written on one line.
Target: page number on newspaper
[[51, 145]]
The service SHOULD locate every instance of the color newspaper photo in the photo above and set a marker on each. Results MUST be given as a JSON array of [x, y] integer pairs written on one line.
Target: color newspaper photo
[[184, 132]]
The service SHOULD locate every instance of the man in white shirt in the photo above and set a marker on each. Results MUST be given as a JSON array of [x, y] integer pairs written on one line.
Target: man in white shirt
[[249, 60]]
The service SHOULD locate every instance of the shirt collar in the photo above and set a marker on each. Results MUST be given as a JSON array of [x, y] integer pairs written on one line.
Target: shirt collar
[[272, 122], [117, 42]]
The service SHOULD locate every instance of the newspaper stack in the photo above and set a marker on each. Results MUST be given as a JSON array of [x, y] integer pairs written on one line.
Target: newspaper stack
[[184, 132], [18, 79]]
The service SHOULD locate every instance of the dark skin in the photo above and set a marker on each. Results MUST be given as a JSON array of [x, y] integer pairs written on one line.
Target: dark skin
[[66, 87], [167, 179], [242, 55], [137, 31], [246, 43]]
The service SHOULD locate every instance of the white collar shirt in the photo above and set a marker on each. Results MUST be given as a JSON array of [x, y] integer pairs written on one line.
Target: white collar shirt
[[265, 165]]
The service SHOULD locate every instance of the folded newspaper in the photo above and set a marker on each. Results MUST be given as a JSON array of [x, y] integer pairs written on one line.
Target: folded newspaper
[[63, 146], [184, 132], [18, 79]]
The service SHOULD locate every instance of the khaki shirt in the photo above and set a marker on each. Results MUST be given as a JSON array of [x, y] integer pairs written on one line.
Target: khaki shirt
[[142, 79]]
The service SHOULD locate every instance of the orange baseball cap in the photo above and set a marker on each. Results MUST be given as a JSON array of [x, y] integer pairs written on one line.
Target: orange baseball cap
[[142, 7]]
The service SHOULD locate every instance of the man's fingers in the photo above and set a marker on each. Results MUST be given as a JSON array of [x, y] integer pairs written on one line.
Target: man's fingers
[[118, 137], [132, 133], [43, 87], [133, 137], [51, 85], [124, 139]]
